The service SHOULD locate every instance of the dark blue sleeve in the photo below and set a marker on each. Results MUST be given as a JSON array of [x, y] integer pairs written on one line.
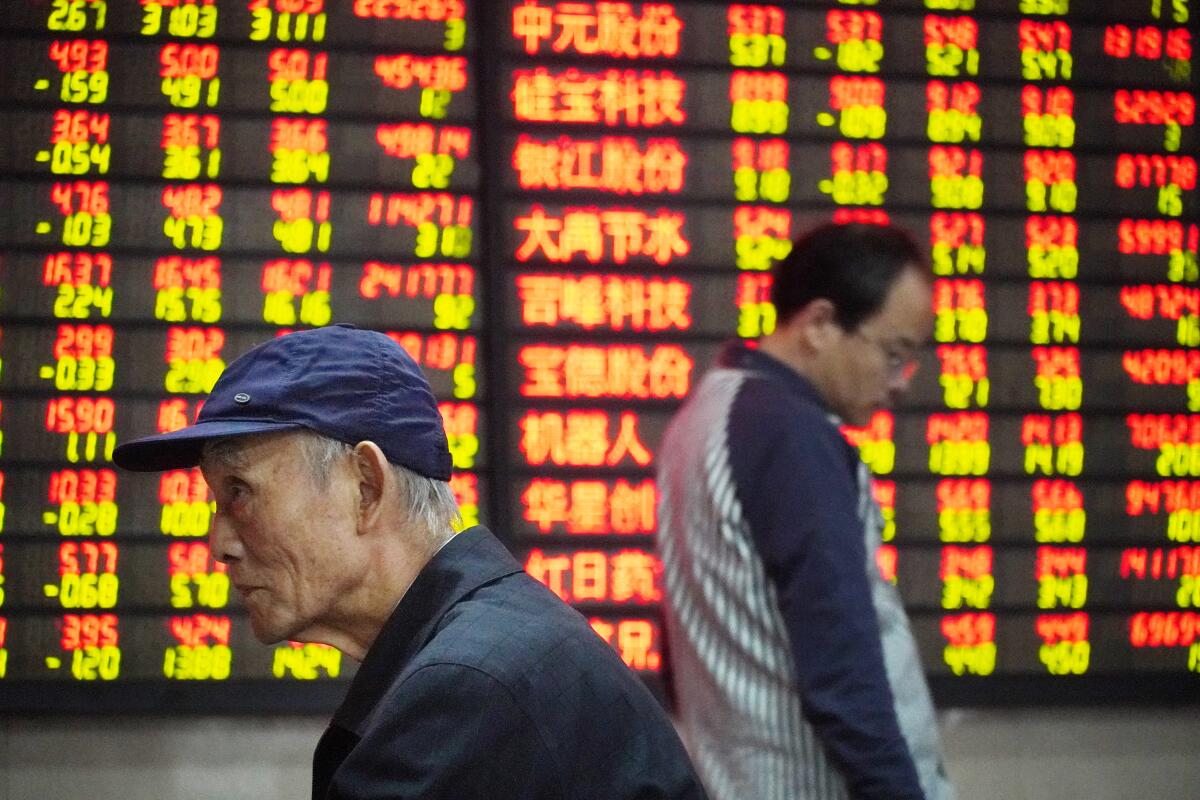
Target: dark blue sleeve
[[796, 481]]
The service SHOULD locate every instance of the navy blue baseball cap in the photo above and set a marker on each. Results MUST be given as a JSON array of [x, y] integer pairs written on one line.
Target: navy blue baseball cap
[[345, 383]]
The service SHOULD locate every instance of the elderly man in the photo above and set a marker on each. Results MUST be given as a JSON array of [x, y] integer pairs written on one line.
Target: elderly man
[[796, 671], [326, 455]]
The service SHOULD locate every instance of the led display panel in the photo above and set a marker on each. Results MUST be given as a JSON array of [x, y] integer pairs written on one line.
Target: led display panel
[[562, 210]]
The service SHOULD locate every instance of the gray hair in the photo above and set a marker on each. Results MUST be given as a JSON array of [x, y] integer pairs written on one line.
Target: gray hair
[[430, 502]]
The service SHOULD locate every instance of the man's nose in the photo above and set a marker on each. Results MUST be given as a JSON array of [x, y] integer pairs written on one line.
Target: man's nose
[[898, 385], [223, 542]]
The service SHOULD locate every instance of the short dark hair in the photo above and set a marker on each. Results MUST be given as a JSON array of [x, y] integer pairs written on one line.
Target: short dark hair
[[851, 265]]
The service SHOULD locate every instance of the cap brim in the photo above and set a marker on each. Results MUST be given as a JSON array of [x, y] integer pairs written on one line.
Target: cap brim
[[181, 449]]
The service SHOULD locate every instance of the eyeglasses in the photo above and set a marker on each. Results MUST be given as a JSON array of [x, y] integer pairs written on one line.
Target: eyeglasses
[[901, 363]]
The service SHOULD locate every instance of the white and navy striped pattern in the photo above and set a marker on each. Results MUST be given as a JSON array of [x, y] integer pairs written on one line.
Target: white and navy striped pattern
[[740, 712], [729, 648], [914, 707]]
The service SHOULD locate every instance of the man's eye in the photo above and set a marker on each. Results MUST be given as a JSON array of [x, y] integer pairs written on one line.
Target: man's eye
[[234, 493]]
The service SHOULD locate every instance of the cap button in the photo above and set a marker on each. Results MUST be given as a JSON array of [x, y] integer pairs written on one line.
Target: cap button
[[241, 398]]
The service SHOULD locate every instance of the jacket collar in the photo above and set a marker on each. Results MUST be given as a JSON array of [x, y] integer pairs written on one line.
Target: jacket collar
[[469, 560], [738, 355]]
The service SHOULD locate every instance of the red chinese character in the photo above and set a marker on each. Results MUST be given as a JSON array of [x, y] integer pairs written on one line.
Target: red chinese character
[[540, 296], [589, 576], [664, 238], [627, 443], [589, 508], [667, 303], [545, 503], [581, 234], [536, 163], [577, 23], [577, 93], [624, 227], [670, 372], [628, 371], [635, 577], [586, 438], [543, 370], [549, 570], [532, 23], [583, 301], [633, 507], [543, 438], [636, 644], [533, 95], [539, 227], [586, 372]]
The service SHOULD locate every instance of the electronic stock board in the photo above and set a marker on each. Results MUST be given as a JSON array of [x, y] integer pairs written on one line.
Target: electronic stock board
[[561, 210]]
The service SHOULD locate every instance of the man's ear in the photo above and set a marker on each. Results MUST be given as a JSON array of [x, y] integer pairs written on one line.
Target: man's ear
[[371, 471], [815, 326]]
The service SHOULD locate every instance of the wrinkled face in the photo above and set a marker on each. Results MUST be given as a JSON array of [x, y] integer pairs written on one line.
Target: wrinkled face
[[290, 542], [868, 369]]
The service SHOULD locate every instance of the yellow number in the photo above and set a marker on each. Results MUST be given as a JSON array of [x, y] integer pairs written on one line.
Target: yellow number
[[314, 308], [453, 311], [456, 34], [279, 308], [87, 518], [299, 96], [1056, 526], [863, 122], [186, 519], [434, 103], [77, 302], [152, 14], [978, 659], [299, 166], [757, 50], [260, 25], [1066, 658], [432, 171], [306, 662], [89, 590], [463, 449], [202, 233], [858, 55], [192, 376], [200, 663], [84, 87], [1178, 460], [96, 663], [1045, 6], [464, 381], [960, 458], [759, 116], [71, 15], [212, 590], [1183, 526]]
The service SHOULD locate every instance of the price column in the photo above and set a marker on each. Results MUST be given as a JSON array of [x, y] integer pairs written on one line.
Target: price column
[[588, 276], [296, 288], [436, 156], [1053, 437], [857, 184], [82, 508], [959, 435], [858, 179], [187, 279], [1163, 577], [760, 116]]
